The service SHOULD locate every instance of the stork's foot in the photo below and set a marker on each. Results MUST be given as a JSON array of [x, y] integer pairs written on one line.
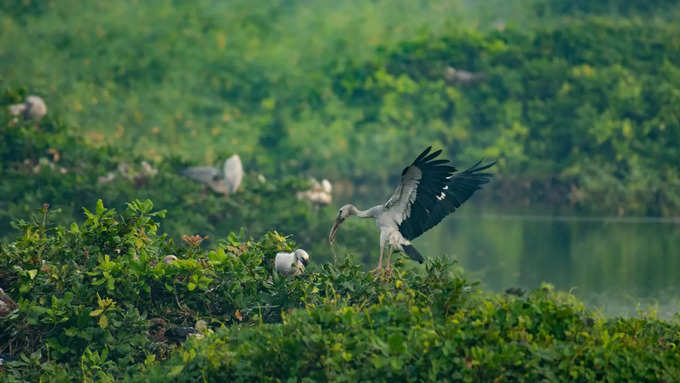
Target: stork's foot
[[388, 271], [385, 273]]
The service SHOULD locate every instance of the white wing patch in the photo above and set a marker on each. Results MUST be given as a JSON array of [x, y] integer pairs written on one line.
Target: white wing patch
[[442, 195], [399, 205]]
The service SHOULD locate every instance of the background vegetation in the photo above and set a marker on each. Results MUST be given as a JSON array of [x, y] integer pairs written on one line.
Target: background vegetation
[[578, 100], [51, 165]]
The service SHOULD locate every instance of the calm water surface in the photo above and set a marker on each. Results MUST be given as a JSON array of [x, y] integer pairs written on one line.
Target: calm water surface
[[620, 266]]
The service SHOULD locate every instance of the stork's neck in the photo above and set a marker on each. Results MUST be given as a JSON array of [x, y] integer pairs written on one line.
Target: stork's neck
[[370, 213]]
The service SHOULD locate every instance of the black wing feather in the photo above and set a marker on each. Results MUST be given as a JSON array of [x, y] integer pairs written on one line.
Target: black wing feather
[[423, 154], [433, 202], [432, 156]]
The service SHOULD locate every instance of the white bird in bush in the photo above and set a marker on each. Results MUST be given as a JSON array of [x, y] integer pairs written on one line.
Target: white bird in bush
[[225, 181], [291, 264], [429, 191], [33, 108], [319, 194]]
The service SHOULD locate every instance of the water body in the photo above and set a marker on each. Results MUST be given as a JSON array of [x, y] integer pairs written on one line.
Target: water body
[[618, 265]]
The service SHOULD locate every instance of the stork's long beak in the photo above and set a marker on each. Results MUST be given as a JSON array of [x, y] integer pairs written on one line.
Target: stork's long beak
[[334, 230]]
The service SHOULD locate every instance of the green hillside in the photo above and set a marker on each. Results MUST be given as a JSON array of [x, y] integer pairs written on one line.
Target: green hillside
[[578, 110]]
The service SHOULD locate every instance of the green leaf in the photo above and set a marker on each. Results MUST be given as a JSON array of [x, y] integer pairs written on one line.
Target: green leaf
[[88, 214], [191, 286], [176, 370], [148, 205], [103, 321], [32, 273], [71, 332], [396, 343], [99, 210], [95, 313]]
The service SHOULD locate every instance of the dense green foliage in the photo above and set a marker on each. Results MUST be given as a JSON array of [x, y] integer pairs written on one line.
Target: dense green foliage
[[585, 113], [97, 301], [88, 293], [622, 7], [406, 337], [581, 113], [50, 165]]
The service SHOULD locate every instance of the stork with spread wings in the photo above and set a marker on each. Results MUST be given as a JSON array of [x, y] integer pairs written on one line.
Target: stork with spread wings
[[430, 189]]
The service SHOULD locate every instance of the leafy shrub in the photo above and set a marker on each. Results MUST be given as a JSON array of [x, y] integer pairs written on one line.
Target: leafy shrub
[[90, 293], [100, 300], [405, 337]]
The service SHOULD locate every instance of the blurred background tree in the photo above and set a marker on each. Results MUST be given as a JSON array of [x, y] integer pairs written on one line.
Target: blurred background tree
[[578, 100]]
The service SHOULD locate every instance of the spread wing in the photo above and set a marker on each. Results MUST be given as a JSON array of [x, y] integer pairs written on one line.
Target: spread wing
[[430, 190], [204, 174]]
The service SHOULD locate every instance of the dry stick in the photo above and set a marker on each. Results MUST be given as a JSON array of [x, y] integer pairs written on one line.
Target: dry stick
[[7, 299], [44, 219], [45, 207], [185, 310]]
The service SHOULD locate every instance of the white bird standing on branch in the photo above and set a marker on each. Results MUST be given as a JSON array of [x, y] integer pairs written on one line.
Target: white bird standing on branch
[[291, 264], [33, 108], [429, 191], [225, 181]]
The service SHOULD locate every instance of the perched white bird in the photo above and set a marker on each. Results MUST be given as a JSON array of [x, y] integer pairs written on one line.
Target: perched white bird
[[319, 194], [291, 264], [168, 259], [33, 108], [454, 75], [148, 170], [225, 181], [326, 186]]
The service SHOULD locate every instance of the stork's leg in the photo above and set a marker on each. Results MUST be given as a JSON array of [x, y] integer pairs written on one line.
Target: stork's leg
[[379, 268], [388, 268]]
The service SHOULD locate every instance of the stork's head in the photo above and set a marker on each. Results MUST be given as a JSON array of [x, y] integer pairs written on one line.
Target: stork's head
[[343, 213], [302, 256]]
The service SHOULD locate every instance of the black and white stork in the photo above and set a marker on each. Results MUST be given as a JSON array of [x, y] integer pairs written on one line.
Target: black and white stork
[[429, 191]]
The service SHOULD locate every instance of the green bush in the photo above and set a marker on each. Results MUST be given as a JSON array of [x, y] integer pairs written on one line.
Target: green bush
[[100, 301], [89, 293], [404, 337]]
